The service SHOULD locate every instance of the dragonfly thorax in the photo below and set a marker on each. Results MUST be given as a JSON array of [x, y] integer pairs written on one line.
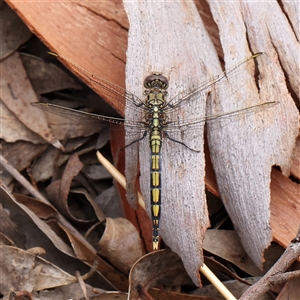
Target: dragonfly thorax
[[155, 98]]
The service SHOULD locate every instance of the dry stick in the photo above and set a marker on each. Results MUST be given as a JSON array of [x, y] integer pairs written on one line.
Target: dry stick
[[81, 284], [118, 176], [24, 182], [204, 269], [276, 274]]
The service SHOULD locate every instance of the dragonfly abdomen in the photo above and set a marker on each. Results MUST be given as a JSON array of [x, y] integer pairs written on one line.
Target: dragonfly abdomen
[[155, 139]]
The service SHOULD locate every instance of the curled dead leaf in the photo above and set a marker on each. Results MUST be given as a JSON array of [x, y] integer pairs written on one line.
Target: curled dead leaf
[[121, 244]]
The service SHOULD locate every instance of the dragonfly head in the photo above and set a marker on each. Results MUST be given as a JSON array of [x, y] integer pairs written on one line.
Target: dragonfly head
[[156, 80]]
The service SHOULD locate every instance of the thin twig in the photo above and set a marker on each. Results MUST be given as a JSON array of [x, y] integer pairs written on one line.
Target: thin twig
[[118, 176], [22, 180]]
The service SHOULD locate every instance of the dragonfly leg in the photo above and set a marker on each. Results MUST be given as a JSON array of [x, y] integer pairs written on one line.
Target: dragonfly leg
[[179, 142], [135, 141]]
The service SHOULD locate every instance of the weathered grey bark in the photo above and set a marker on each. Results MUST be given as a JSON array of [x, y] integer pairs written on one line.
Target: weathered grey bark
[[292, 10], [165, 37], [170, 37], [244, 151]]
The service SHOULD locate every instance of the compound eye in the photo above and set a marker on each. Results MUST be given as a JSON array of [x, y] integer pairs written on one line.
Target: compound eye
[[164, 80], [149, 79], [156, 80]]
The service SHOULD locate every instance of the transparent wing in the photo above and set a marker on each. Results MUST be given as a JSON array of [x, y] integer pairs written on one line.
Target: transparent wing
[[186, 132], [185, 124], [216, 83], [109, 90], [137, 128], [82, 116]]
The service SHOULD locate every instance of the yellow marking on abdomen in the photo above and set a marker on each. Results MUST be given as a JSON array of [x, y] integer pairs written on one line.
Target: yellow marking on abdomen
[[155, 179], [155, 195], [155, 209], [155, 162]]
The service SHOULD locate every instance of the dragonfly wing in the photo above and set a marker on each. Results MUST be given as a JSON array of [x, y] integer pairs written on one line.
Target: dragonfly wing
[[210, 118], [217, 84], [82, 116], [117, 95], [181, 130], [117, 124], [76, 115]]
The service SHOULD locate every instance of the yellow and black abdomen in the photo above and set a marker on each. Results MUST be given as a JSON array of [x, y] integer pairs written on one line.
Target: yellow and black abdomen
[[155, 138]]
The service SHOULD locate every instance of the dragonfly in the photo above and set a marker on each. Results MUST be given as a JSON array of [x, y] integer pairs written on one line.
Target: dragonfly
[[155, 121]]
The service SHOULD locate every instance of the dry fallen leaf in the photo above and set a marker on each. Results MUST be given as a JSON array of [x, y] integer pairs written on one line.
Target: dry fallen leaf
[[17, 94], [12, 129], [46, 77], [16, 32], [21, 270], [19, 155], [121, 244], [39, 233], [162, 267], [226, 244]]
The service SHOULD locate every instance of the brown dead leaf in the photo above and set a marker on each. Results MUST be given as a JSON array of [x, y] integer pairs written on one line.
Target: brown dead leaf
[[19, 155], [18, 270], [110, 274], [226, 244], [40, 209], [121, 244], [12, 129], [24, 271], [158, 294], [46, 77], [70, 291], [93, 205], [17, 94], [236, 287], [38, 233], [4, 240], [162, 267], [19, 295], [96, 172], [16, 32], [290, 290], [75, 143], [9, 230], [103, 138], [44, 165], [223, 272], [109, 296], [110, 203], [59, 192]]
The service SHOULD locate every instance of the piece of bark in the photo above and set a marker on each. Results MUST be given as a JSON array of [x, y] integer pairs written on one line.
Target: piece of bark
[[174, 51], [244, 151], [92, 35]]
